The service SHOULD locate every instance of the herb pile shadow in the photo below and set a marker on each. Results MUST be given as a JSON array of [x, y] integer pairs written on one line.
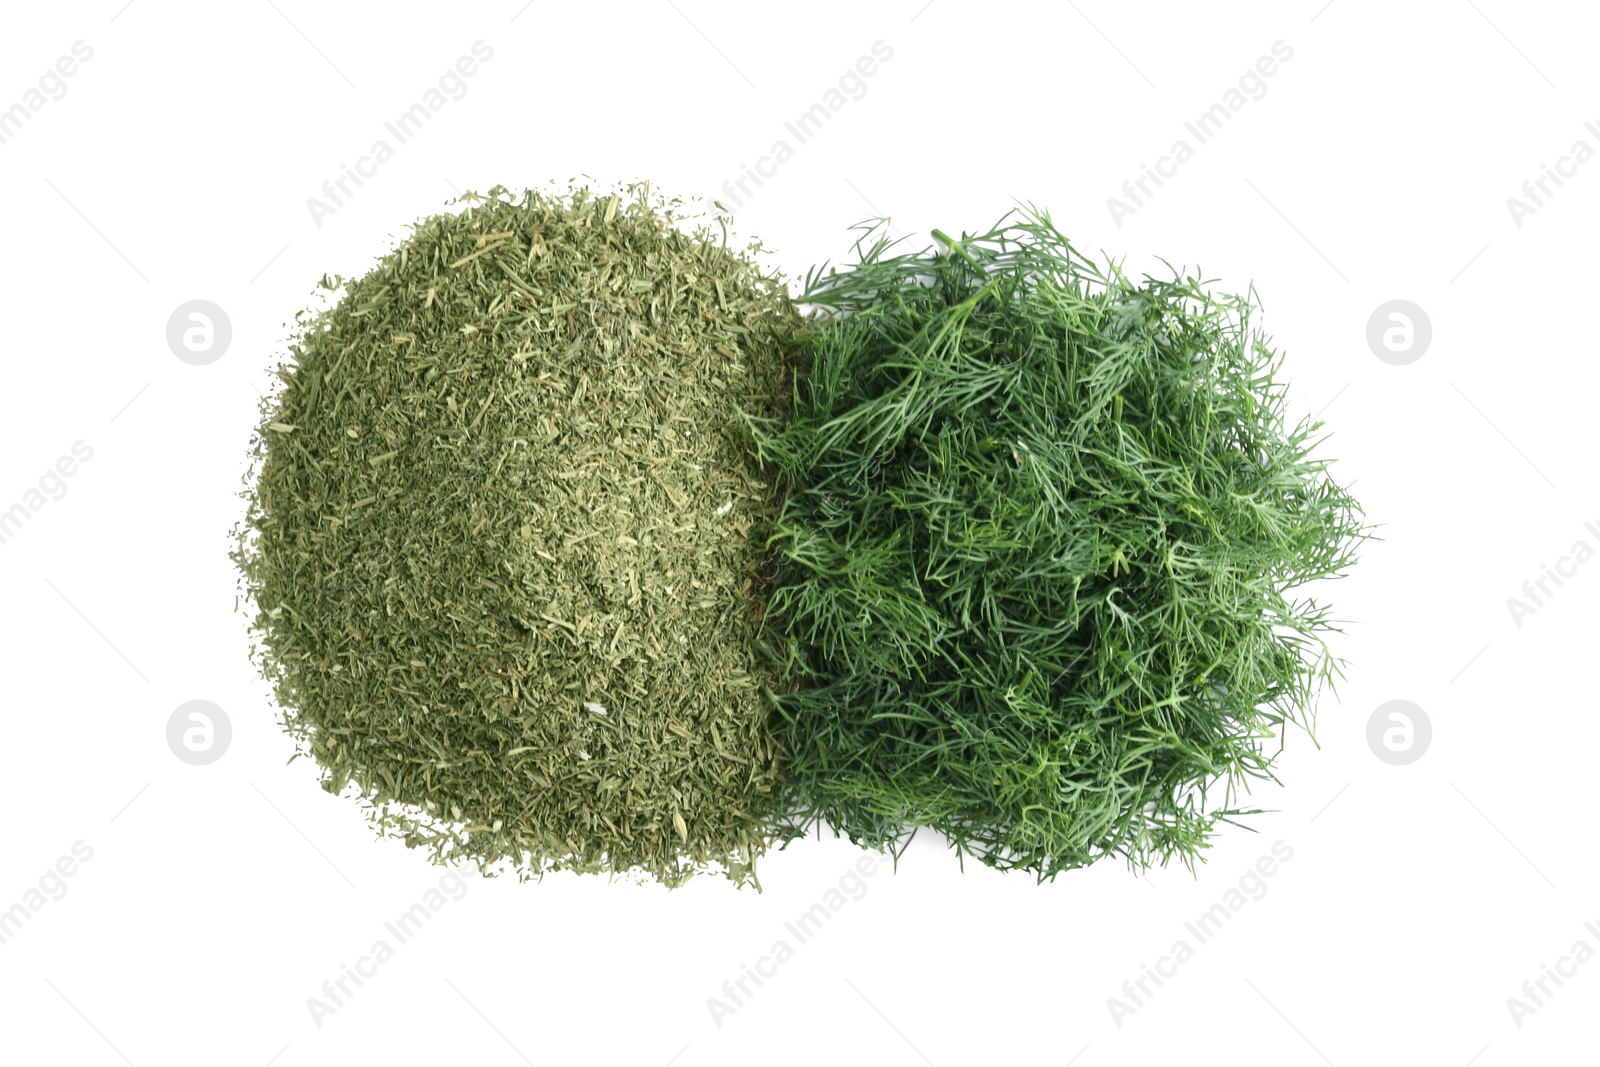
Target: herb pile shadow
[[503, 530], [1040, 553]]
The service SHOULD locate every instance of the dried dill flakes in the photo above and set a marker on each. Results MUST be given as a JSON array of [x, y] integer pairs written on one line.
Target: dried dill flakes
[[1040, 555], [503, 531]]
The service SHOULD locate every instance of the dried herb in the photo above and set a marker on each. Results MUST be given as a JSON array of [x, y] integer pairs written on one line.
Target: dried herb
[[503, 532], [1040, 554]]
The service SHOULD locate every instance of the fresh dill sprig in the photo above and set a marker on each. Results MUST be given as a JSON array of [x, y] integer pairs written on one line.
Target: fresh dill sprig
[[1042, 554]]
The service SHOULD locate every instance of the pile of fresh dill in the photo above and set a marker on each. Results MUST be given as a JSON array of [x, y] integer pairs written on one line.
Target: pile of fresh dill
[[1041, 554], [503, 530]]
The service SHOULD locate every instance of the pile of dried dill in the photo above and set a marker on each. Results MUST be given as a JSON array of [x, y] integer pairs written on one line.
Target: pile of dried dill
[[503, 530]]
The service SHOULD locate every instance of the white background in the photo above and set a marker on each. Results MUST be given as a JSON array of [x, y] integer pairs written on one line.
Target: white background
[[1377, 166]]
